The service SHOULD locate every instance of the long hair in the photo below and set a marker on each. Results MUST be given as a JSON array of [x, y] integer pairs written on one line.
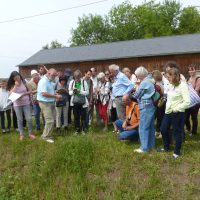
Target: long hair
[[175, 74], [11, 81]]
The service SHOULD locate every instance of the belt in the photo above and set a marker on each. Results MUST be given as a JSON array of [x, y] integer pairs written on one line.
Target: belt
[[44, 102], [118, 96]]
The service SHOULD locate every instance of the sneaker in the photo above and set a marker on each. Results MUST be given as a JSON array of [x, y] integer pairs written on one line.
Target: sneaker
[[139, 151], [8, 130], [105, 129], [174, 156], [83, 132], [32, 136], [75, 133], [4, 130], [49, 140], [21, 137]]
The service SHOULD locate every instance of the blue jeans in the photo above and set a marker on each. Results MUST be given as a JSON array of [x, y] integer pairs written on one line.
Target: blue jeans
[[176, 120], [126, 135], [27, 113], [146, 127], [37, 110]]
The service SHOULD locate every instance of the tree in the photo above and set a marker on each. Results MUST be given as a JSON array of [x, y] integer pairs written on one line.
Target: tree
[[54, 44], [189, 21], [92, 29], [125, 22]]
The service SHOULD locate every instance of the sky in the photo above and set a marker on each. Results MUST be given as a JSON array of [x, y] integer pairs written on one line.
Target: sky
[[19, 40]]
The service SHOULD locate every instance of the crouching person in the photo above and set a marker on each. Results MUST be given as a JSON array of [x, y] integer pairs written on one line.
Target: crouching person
[[129, 128]]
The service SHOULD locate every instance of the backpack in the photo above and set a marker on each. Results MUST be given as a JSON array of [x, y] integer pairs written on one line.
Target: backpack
[[158, 94]]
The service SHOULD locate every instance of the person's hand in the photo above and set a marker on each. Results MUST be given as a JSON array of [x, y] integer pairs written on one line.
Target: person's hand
[[58, 97], [124, 125], [128, 128], [17, 83], [75, 90]]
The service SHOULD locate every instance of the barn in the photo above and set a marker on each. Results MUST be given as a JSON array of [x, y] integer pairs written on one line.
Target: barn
[[152, 53]]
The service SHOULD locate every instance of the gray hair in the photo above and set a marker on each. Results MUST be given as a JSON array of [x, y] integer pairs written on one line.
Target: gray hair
[[77, 74], [141, 71], [114, 67], [100, 75]]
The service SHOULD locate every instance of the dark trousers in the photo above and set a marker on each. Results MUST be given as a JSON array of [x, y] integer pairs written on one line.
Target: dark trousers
[[176, 121], [80, 115], [159, 114], [193, 113], [8, 116]]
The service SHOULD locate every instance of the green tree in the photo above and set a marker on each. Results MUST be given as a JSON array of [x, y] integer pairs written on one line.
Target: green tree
[[53, 45], [189, 21], [92, 29]]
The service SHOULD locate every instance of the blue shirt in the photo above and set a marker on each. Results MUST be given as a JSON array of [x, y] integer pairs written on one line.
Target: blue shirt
[[45, 85], [145, 90], [122, 85]]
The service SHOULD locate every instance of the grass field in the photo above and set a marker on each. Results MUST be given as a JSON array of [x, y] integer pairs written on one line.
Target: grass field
[[95, 166]]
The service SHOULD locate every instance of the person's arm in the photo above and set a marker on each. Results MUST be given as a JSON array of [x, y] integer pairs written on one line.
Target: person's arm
[[197, 86], [56, 96], [128, 84], [71, 88], [84, 88]]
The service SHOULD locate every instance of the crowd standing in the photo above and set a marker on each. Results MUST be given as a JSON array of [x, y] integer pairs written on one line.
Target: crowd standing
[[131, 102]]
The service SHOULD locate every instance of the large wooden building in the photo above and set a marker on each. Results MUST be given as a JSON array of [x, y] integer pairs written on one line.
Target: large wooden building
[[151, 53]]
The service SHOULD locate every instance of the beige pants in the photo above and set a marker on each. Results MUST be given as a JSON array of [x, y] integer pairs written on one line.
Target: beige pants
[[47, 111]]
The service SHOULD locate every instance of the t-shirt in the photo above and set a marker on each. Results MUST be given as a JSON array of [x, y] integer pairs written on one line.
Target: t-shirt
[[24, 100], [135, 117], [78, 87]]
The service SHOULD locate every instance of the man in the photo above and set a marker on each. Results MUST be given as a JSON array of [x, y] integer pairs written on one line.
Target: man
[[42, 70], [95, 84], [129, 127], [121, 86], [46, 97], [32, 85]]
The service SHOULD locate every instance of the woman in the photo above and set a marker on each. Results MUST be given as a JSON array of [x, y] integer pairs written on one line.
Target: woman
[[147, 109], [4, 94], [192, 112], [103, 91], [177, 101], [17, 85], [78, 89], [62, 105]]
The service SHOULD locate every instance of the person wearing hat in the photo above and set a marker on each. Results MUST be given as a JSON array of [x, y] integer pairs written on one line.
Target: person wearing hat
[[32, 85]]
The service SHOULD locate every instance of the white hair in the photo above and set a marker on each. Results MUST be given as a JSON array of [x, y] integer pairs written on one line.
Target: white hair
[[141, 71], [100, 75], [114, 67]]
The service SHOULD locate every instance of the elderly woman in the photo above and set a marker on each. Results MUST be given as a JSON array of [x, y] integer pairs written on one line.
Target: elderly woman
[[147, 109], [103, 90], [78, 89]]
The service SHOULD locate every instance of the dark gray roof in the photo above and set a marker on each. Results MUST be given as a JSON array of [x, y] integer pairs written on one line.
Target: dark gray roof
[[170, 45]]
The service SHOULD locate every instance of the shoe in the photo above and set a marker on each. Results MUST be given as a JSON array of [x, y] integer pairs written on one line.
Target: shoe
[[157, 133], [8, 130], [4, 130], [32, 136], [75, 133], [174, 156], [58, 131], [38, 129], [162, 150], [17, 129], [49, 140], [105, 129], [83, 132], [139, 151], [21, 137]]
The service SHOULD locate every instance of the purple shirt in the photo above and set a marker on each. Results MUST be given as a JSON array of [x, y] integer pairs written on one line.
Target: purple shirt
[[22, 101]]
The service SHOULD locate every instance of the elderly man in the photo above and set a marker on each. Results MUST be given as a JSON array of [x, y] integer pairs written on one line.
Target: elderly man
[[129, 128], [32, 85], [121, 86], [46, 97]]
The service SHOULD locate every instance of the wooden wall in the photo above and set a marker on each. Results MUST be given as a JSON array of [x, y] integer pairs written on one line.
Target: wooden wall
[[150, 63]]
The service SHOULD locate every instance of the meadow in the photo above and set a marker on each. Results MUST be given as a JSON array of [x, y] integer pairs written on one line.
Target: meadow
[[95, 167]]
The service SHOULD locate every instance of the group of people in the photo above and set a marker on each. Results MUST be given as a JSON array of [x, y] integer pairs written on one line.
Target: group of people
[[126, 99]]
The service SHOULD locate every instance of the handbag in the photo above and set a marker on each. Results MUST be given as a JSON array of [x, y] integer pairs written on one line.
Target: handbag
[[79, 100], [194, 97], [61, 103]]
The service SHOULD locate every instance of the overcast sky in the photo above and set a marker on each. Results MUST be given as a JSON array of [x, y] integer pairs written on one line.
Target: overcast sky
[[21, 39]]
